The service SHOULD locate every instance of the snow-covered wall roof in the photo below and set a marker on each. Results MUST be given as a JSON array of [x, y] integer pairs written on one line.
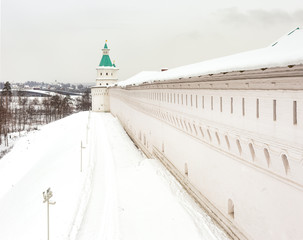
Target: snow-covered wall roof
[[288, 50]]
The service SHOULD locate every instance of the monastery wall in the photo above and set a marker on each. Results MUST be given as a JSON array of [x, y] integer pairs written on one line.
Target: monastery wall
[[234, 140]]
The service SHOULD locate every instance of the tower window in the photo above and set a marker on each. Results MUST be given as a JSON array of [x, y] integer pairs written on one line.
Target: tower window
[[106, 74], [100, 74]]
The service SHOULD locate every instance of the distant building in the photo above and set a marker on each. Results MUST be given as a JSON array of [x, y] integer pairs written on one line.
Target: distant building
[[106, 76]]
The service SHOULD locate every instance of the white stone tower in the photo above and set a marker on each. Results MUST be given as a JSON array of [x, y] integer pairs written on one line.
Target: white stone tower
[[106, 76]]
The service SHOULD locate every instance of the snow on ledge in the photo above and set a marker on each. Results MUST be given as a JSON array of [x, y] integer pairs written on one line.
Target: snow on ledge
[[288, 50]]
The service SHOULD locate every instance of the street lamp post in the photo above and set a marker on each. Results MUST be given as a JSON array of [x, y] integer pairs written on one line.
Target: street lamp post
[[47, 195]]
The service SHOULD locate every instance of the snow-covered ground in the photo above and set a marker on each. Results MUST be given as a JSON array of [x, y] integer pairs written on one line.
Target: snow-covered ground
[[118, 195]]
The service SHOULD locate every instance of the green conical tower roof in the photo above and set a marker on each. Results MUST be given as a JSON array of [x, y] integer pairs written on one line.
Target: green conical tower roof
[[105, 61]]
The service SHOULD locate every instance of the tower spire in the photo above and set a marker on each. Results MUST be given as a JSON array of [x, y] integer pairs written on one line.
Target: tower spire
[[105, 61]]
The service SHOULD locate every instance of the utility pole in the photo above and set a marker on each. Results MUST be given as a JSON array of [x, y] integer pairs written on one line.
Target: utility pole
[[47, 195]]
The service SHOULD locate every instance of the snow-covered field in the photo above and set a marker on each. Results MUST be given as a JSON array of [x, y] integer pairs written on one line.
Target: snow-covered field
[[118, 195]]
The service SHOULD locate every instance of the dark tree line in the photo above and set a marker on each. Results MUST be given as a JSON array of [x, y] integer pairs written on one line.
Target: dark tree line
[[19, 113]]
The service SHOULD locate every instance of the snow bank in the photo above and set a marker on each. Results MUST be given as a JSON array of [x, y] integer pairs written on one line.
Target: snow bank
[[119, 194], [46, 158], [288, 50]]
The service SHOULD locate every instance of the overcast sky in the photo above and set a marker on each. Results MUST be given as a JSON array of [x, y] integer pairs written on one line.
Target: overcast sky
[[62, 39]]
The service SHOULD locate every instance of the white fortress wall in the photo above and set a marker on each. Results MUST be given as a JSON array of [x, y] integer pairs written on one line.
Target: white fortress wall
[[233, 139]]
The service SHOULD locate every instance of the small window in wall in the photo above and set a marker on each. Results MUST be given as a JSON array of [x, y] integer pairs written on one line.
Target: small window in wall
[[221, 104], [112, 74], [243, 106], [257, 108], [227, 142], [191, 100], [252, 151], [203, 102], [212, 102], [106, 74], [239, 146], [100, 74], [186, 99], [107, 84], [294, 107], [231, 208], [267, 156], [100, 84], [186, 169], [196, 101], [274, 110], [182, 99], [178, 98], [231, 105], [285, 163], [174, 98]]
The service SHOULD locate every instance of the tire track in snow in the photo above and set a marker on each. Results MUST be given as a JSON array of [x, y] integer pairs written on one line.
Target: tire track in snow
[[100, 220]]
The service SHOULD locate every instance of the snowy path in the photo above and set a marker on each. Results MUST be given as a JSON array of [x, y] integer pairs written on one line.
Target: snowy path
[[119, 195], [133, 198], [101, 217]]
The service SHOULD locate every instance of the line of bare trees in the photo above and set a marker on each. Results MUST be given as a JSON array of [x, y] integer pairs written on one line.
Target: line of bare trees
[[21, 113]]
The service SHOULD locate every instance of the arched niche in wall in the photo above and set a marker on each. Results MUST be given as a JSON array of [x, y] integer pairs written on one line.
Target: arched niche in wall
[[239, 146], [267, 156], [218, 138], [186, 169], [252, 151], [231, 208], [285, 163], [201, 130], [209, 136], [227, 142]]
